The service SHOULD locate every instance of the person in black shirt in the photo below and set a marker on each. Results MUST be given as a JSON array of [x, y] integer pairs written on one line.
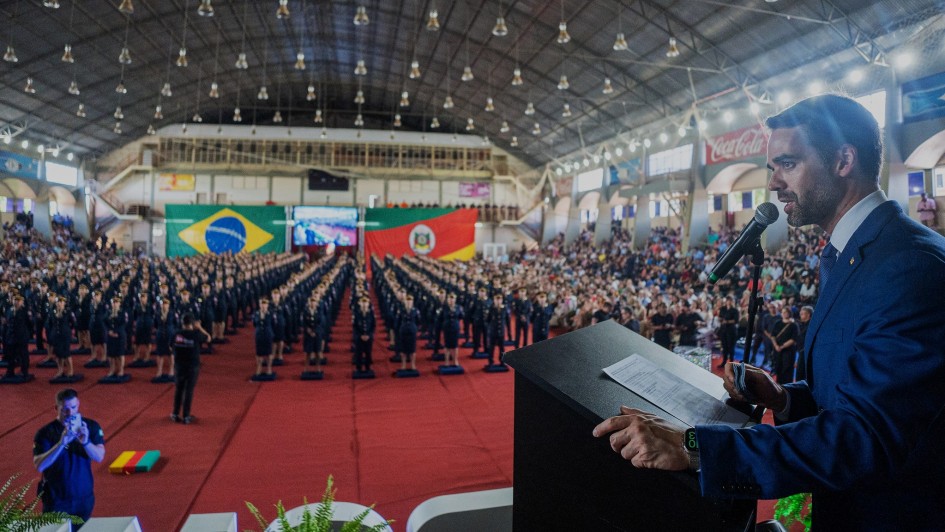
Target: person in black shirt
[[805, 315], [728, 317], [165, 325], [784, 343], [187, 342], [59, 334], [495, 328], [541, 318], [662, 325], [19, 328], [450, 315], [364, 327], [687, 323], [407, 334], [523, 314], [63, 451], [311, 340]]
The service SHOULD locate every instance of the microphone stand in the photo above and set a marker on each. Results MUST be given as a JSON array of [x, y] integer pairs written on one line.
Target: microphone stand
[[757, 259]]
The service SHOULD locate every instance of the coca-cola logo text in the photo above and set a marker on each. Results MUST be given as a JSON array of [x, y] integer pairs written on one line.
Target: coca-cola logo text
[[736, 145]]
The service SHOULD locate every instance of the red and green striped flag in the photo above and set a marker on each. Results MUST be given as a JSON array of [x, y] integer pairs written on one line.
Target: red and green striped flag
[[445, 234]]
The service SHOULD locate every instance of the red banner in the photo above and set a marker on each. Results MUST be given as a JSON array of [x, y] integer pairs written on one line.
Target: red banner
[[736, 145]]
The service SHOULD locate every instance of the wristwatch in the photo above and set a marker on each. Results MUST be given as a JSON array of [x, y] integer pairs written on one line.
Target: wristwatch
[[691, 443]]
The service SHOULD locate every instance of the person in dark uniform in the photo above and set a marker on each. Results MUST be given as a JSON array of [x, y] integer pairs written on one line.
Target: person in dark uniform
[[187, 342], [522, 310], [144, 328], [728, 319], [39, 309], [407, 333], [687, 324], [262, 321], [541, 317], [803, 323], [207, 303], [115, 340], [19, 329], [83, 317], [59, 333], [277, 311], [220, 310], [450, 315], [364, 327], [311, 327], [165, 326], [495, 324], [662, 323], [480, 310], [98, 313], [63, 452]]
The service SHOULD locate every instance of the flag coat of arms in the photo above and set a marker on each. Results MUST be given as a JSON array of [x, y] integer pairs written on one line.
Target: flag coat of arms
[[447, 234]]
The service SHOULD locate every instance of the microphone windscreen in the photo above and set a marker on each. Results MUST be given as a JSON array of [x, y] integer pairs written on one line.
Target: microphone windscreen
[[766, 213]]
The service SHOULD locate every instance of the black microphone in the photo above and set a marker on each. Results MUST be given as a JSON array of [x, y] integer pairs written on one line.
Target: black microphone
[[765, 215]]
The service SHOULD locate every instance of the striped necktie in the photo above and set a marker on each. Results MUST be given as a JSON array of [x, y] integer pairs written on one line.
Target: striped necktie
[[827, 261]]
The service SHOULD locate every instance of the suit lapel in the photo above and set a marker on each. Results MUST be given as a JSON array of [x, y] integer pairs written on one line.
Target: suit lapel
[[847, 262]]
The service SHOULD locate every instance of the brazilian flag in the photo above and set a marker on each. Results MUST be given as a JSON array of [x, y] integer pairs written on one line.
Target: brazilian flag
[[201, 229]]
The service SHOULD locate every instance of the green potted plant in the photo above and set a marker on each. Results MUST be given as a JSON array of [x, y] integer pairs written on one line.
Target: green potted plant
[[794, 509], [17, 514], [321, 517]]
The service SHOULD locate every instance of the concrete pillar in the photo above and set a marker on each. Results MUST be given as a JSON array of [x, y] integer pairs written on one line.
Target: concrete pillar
[[41, 214], [548, 224], [81, 218], [604, 219], [573, 229], [894, 176], [641, 229]]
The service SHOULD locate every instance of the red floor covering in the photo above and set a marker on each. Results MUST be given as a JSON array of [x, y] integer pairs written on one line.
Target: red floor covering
[[392, 442]]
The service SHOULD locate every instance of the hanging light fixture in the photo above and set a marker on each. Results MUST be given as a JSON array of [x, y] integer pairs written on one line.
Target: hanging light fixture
[[67, 54], [360, 17], [158, 115], [536, 129], [120, 88], [397, 122], [318, 116], [490, 105], [414, 69], [29, 88], [514, 142], [404, 99], [435, 123], [80, 112], [566, 112], [500, 29], [433, 21], [283, 10], [448, 102], [182, 57], [310, 93], [300, 61], [359, 97], [241, 62], [359, 121], [277, 117], [608, 87], [620, 43], [470, 124], [214, 90], [53, 4], [563, 83], [563, 37], [118, 114], [237, 117], [74, 88], [673, 50], [126, 7], [166, 90], [10, 55], [360, 69], [196, 118], [263, 93], [467, 74], [517, 77], [151, 130], [205, 9], [505, 127], [125, 56], [530, 109], [117, 128]]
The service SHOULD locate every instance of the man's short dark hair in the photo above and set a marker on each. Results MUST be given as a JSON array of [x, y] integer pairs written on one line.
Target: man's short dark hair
[[831, 120], [65, 394]]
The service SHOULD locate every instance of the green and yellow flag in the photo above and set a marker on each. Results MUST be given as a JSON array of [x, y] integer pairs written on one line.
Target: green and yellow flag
[[445, 234], [201, 229]]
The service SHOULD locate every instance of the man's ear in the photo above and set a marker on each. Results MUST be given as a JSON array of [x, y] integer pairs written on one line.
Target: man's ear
[[846, 160]]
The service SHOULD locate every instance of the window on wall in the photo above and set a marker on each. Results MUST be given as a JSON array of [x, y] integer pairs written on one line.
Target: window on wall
[[658, 208], [715, 203], [938, 177], [589, 216], [875, 103], [673, 160], [916, 183], [590, 180], [62, 174], [617, 213]]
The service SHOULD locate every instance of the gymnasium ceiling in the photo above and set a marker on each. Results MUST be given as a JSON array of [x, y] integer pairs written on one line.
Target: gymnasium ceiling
[[730, 54]]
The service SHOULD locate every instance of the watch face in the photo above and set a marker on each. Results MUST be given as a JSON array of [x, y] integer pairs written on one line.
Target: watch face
[[690, 441]]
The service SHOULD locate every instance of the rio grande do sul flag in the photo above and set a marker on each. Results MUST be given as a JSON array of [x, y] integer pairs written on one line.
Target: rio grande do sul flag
[[445, 234]]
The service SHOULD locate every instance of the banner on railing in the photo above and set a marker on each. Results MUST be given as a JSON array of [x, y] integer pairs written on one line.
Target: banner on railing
[[446, 234], [201, 229], [475, 190], [177, 182], [18, 165]]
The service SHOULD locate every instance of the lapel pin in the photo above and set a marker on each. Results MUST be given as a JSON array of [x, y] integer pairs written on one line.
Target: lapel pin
[[851, 261]]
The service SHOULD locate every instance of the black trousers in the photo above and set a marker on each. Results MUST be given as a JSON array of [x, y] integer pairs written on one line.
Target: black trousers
[[727, 338], [493, 342], [362, 353], [480, 341], [17, 355], [521, 333], [81, 507], [185, 378]]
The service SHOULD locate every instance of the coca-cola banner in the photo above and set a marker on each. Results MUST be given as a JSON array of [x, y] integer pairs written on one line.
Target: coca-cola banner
[[736, 145]]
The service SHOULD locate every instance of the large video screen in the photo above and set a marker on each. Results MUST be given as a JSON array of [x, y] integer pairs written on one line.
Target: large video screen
[[320, 226]]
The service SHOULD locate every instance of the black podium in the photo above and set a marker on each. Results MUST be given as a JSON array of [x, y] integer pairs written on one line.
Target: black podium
[[565, 479]]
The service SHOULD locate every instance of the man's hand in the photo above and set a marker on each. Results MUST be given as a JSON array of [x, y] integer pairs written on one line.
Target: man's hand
[[769, 393], [647, 441], [83, 434], [67, 436]]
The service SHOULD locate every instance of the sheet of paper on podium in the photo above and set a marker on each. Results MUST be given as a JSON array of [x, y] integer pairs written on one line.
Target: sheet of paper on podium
[[690, 405]]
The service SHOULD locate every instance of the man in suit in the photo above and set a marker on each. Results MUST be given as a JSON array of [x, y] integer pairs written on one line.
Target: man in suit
[[863, 432]]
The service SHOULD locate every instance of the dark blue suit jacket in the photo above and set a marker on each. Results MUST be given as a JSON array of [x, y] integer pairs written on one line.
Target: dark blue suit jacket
[[867, 429]]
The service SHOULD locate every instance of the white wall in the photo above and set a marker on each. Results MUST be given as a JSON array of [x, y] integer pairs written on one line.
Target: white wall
[[512, 238], [367, 187], [241, 190], [413, 191]]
